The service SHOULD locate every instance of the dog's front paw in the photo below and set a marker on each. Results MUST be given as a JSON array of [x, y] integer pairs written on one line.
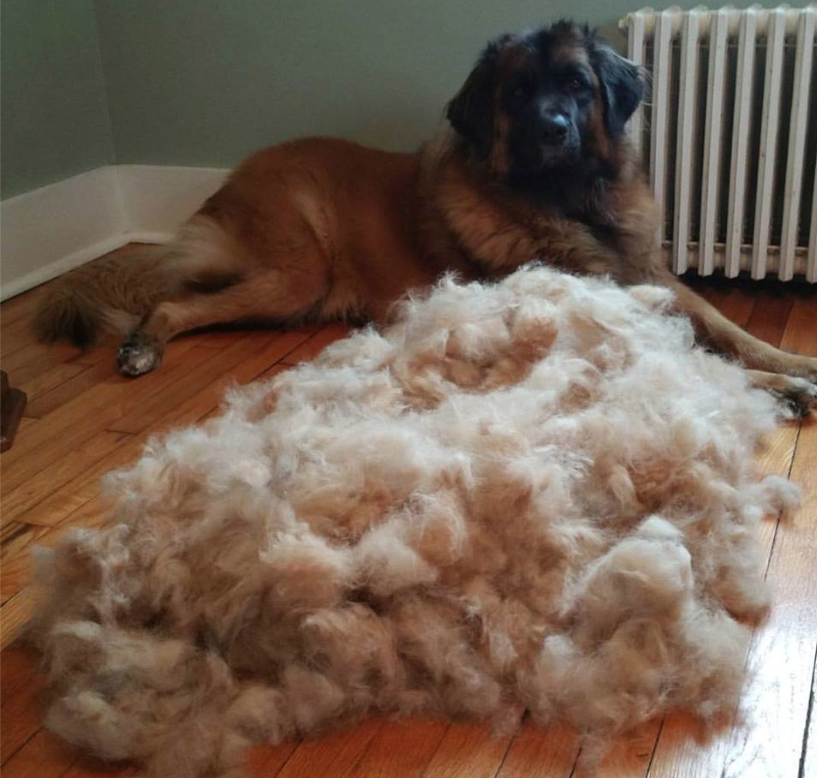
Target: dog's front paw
[[799, 396], [136, 357]]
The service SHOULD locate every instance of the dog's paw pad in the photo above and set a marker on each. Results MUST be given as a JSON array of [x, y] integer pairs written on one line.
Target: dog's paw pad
[[136, 359]]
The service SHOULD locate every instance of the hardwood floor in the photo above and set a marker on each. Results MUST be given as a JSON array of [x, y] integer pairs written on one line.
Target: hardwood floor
[[83, 419]]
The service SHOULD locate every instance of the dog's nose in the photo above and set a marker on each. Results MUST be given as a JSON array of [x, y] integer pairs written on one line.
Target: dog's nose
[[554, 127]]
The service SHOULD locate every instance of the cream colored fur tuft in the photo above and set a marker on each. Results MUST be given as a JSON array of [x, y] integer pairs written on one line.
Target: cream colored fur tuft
[[538, 494]]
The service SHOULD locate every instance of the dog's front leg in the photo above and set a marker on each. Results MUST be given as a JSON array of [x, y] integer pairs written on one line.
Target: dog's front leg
[[715, 329]]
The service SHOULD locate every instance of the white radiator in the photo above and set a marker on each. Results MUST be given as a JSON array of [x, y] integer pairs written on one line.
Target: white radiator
[[729, 136]]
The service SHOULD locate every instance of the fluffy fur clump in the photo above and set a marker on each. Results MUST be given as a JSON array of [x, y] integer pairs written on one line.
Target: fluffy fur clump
[[533, 495]]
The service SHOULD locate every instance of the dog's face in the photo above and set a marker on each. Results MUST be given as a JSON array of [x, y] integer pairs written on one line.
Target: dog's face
[[556, 98]]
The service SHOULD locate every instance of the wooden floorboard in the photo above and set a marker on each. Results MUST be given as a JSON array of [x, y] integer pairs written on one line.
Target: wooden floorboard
[[468, 751], [538, 753], [682, 744], [83, 419], [781, 662]]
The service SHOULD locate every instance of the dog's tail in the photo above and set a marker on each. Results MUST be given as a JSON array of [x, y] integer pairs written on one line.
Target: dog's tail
[[111, 296], [107, 297]]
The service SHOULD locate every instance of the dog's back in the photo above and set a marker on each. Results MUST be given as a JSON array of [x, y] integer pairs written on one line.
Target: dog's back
[[318, 227]]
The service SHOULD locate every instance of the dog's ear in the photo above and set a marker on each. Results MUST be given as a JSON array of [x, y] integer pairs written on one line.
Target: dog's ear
[[622, 86], [471, 112]]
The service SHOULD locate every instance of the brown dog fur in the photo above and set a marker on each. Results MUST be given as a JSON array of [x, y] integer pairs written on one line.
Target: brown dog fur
[[321, 229]]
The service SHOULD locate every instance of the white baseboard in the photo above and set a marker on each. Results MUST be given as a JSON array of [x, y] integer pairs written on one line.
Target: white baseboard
[[51, 230], [159, 198]]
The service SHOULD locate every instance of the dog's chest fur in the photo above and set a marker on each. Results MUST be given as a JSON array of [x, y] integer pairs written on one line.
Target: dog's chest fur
[[495, 229]]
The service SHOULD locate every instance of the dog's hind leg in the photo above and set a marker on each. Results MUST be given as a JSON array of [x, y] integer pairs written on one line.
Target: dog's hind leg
[[271, 295]]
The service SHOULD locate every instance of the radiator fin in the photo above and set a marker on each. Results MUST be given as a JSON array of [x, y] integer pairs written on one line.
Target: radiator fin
[[801, 92], [713, 140], [768, 141], [684, 155], [747, 39], [659, 129]]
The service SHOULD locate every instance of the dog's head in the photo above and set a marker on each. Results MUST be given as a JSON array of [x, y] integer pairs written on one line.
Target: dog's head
[[555, 98]]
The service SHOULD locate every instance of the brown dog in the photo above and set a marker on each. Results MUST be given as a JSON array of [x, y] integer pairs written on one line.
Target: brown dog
[[535, 165]]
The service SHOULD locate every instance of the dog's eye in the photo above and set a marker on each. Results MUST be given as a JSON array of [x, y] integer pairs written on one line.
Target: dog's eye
[[575, 83]]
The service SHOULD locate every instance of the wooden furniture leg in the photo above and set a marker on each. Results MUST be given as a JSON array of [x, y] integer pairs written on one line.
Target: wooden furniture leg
[[12, 405]]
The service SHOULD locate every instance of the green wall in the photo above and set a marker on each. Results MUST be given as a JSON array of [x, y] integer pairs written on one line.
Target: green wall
[[205, 82], [54, 115]]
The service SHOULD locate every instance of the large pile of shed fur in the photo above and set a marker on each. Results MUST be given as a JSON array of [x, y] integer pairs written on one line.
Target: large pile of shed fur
[[533, 495]]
